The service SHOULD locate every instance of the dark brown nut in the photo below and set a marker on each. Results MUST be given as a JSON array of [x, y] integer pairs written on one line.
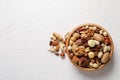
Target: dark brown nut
[[56, 53], [54, 43], [57, 48], [97, 30], [84, 40], [71, 55], [107, 40], [96, 48], [62, 55], [85, 44], [84, 62], [50, 43], [79, 42], [75, 59], [105, 58], [92, 60]]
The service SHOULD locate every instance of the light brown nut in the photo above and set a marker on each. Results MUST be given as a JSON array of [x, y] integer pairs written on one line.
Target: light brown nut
[[83, 35], [97, 42], [95, 65], [76, 35], [75, 59], [106, 48], [69, 47], [101, 31], [105, 58], [74, 48], [73, 39], [105, 33], [52, 37], [71, 42], [62, 45], [58, 36], [98, 37], [52, 49], [91, 54], [87, 49], [100, 54]]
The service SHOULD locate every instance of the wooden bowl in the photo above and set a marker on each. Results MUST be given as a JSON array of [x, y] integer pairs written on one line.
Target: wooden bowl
[[67, 44]]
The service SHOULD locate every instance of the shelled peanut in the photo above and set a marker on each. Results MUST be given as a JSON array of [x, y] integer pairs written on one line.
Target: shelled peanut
[[89, 46]]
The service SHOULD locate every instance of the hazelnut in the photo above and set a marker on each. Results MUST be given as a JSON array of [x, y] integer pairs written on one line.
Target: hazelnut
[[76, 35]]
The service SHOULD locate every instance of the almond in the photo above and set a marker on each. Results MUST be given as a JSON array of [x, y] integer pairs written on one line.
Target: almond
[[75, 59], [105, 58]]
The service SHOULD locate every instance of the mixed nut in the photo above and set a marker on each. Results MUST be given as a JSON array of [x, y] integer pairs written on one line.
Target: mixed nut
[[89, 46], [57, 45]]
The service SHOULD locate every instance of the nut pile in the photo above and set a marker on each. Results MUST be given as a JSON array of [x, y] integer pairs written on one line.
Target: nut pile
[[89, 46], [57, 44]]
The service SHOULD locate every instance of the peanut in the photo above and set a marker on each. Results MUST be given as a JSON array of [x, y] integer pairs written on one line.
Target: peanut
[[58, 36]]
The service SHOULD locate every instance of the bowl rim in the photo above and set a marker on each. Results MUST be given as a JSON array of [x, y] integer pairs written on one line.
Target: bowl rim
[[67, 44]]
